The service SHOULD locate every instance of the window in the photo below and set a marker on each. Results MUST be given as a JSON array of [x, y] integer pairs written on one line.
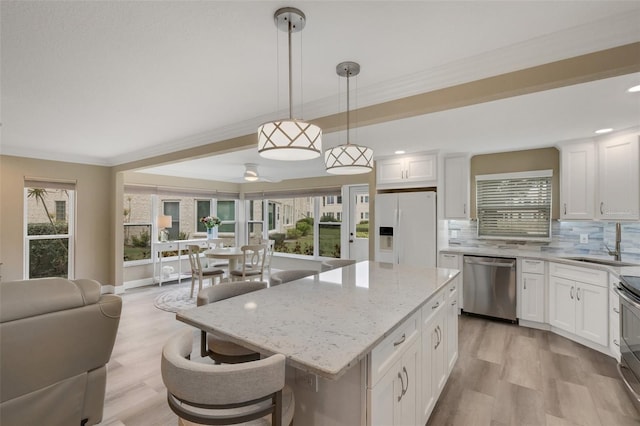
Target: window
[[364, 198], [137, 227], [49, 216], [255, 221], [203, 208], [172, 208], [293, 229], [514, 205], [61, 211], [364, 215]]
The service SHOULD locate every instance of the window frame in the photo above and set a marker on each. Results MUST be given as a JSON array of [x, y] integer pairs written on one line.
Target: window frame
[[71, 226]]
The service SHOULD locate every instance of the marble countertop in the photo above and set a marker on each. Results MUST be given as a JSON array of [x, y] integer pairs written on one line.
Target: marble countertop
[[327, 323], [630, 269]]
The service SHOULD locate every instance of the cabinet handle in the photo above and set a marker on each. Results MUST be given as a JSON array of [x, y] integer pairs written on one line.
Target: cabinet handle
[[601, 207], [565, 208], [571, 292], [525, 283], [435, 306], [399, 342], [402, 384], [454, 303], [449, 256], [452, 288], [615, 342], [464, 208], [435, 330], [616, 310], [407, 375], [578, 293]]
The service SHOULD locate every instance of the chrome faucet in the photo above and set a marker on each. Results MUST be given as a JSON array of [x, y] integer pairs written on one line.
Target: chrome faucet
[[616, 253]]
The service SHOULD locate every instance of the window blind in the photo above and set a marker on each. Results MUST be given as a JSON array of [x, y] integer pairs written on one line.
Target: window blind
[[514, 205]]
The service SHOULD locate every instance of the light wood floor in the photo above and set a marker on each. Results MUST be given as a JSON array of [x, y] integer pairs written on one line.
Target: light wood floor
[[505, 375]]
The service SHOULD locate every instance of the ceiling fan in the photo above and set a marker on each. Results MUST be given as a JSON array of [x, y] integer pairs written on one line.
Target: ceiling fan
[[251, 175]]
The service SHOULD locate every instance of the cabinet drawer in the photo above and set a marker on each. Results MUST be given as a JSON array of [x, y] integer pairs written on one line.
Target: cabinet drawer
[[533, 266], [167, 247], [392, 347], [576, 273], [434, 305]]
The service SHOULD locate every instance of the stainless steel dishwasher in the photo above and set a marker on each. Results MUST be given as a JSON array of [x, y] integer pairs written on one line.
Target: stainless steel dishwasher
[[489, 286]]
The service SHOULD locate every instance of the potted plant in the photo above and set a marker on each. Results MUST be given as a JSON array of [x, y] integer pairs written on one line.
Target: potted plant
[[211, 223]]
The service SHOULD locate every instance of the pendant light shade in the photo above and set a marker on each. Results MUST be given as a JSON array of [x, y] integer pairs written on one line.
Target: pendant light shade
[[289, 139], [348, 159]]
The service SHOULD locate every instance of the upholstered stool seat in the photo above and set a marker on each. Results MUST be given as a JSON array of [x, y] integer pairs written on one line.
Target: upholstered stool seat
[[250, 393], [282, 277]]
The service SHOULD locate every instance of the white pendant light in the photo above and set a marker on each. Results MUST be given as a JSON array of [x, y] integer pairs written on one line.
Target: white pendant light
[[289, 139], [348, 159]]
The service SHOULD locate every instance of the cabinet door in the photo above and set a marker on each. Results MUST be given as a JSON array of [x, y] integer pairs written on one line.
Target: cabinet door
[[453, 261], [409, 403], [614, 324], [428, 384], [440, 364], [452, 329], [390, 170], [619, 178], [577, 177], [562, 308], [456, 187], [386, 396], [532, 297], [420, 168], [592, 309]]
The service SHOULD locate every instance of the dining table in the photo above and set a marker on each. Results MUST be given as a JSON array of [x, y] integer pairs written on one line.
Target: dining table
[[231, 254]]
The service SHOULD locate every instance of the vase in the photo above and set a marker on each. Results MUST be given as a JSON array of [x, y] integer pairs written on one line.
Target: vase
[[212, 233]]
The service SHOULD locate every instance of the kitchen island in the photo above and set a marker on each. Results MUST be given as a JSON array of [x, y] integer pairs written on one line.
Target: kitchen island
[[343, 331]]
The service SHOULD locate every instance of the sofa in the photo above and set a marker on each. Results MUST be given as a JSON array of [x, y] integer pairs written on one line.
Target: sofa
[[56, 337]]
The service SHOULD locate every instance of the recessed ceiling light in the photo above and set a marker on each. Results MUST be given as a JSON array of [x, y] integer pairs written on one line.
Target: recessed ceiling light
[[601, 131], [634, 89], [400, 151]]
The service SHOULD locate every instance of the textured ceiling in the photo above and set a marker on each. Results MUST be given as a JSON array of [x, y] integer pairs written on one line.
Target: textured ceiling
[[113, 82]]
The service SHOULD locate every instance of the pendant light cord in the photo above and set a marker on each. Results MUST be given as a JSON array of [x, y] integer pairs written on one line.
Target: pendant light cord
[[348, 73], [290, 75]]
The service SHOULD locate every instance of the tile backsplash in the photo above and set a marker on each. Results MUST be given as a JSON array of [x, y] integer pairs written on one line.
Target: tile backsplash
[[565, 238]]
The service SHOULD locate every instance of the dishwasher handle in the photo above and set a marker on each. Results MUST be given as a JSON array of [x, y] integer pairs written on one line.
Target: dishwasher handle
[[509, 264]]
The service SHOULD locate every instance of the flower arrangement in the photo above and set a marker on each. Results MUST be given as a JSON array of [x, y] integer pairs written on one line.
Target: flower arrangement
[[210, 221]]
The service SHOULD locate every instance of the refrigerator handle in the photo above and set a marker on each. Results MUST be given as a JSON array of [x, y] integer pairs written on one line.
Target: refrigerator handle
[[400, 247]]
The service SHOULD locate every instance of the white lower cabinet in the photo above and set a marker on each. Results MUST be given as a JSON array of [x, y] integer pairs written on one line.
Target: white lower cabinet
[[394, 399], [395, 368], [410, 367], [614, 318], [453, 261], [434, 360], [452, 327], [532, 289], [578, 306]]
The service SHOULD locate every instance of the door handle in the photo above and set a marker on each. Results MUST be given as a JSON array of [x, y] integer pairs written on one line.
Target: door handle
[[404, 369], [401, 341]]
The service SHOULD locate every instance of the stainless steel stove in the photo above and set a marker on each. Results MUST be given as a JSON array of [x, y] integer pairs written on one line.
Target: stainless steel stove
[[629, 367]]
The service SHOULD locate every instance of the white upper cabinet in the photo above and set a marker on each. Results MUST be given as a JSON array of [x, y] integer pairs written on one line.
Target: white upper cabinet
[[456, 187], [407, 171], [577, 181], [619, 178]]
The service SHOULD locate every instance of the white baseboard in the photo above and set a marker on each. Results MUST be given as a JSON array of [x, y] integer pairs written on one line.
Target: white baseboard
[[137, 283], [533, 324]]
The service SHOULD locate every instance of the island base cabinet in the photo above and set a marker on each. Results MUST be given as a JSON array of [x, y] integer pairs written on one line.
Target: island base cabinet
[[434, 357], [394, 399], [452, 328]]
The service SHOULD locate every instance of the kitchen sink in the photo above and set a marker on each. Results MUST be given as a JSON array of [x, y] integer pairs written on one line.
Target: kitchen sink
[[597, 261]]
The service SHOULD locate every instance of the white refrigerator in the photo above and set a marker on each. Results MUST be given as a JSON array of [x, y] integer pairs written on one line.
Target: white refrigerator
[[405, 228]]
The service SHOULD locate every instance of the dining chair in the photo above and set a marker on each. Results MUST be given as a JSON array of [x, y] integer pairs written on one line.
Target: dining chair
[[198, 272], [267, 261], [218, 243], [214, 346], [225, 394], [335, 263], [253, 258], [282, 277]]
